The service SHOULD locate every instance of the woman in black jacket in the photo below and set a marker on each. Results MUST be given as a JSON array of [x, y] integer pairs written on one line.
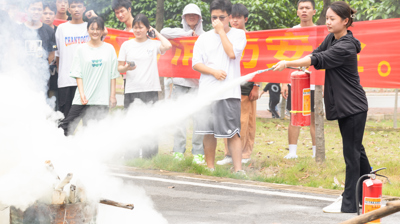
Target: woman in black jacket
[[344, 97]]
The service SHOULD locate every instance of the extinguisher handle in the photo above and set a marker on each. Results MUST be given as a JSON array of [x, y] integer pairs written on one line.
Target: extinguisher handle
[[300, 69], [375, 171]]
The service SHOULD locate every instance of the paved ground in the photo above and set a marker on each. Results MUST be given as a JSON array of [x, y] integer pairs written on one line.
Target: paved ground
[[185, 198]]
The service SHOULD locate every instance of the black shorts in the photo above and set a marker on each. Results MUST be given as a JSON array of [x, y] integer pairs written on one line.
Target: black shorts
[[221, 119], [289, 99]]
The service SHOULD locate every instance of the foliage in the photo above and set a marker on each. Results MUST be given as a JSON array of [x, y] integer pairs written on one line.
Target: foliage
[[264, 14], [376, 9], [273, 14]]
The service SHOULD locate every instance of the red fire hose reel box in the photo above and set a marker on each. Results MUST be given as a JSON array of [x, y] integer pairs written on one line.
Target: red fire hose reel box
[[301, 99]]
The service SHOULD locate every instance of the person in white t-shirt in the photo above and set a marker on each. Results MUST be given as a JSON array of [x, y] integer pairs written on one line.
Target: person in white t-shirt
[[69, 36], [142, 79], [216, 55], [95, 68], [306, 11], [192, 26]]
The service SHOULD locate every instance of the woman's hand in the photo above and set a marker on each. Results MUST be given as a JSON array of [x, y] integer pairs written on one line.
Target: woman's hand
[[113, 102], [280, 66], [84, 101], [156, 33]]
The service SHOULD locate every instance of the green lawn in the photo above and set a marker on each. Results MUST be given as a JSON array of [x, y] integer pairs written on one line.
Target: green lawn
[[267, 164]]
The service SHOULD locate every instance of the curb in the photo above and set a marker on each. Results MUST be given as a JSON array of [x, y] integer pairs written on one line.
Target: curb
[[285, 187]]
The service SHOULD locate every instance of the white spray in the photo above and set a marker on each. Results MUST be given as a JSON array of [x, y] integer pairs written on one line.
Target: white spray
[[29, 136]]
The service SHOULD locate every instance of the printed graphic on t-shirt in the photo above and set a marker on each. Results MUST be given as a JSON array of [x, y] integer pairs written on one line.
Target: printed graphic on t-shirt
[[34, 47], [275, 88], [76, 40], [150, 52], [97, 63]]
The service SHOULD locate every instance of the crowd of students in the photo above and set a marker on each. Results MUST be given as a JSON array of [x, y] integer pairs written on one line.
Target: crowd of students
[[83, 72]]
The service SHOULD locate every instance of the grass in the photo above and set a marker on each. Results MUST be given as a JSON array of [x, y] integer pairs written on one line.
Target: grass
[[268, 165]]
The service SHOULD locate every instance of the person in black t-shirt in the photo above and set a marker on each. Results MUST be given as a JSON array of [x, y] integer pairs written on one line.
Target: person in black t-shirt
[[274, 97], [344, 97], [48, 16], [39, 39]]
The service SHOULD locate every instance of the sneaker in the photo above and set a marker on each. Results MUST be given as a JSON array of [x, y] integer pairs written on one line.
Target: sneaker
[[241, 173], [335, 207], [210, 169], [178, 156], [291, 156], [198, 159], [245, 160], [226, 160]]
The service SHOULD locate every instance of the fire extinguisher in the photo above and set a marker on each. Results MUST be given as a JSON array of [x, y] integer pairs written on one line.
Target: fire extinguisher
[[372, 193], [301, 98]]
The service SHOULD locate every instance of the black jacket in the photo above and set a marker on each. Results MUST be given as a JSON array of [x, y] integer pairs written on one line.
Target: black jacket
[[344, 96]]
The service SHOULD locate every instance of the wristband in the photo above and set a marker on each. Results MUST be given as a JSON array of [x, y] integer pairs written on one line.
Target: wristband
[[285, 64], [258, 85]]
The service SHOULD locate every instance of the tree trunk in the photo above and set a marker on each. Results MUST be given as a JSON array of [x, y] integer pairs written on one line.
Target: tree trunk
[[319, 125], [319, 108], [396, 98], [283, 107], [322, 17], [159, 26]]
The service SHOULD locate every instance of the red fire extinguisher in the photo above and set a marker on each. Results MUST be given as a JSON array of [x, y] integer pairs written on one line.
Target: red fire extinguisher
[[372, 193], [301, 98]]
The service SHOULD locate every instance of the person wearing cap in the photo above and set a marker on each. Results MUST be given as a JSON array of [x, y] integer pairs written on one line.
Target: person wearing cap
[[192, 27]]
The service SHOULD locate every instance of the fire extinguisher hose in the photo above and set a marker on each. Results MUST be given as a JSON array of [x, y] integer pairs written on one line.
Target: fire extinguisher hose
[[357, 186]]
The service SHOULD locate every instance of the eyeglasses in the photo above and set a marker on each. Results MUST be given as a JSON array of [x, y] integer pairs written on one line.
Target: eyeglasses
[[221, 18]]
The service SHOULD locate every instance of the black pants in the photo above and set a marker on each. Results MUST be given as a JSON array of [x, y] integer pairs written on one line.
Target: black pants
[[357, 164], [147, 97], [272, 106], [65, 98], [84, 112]]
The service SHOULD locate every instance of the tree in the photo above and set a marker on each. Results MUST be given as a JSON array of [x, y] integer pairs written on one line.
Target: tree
[[159, 26]]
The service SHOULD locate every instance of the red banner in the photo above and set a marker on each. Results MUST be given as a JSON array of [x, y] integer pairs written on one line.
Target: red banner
[[379, 60]]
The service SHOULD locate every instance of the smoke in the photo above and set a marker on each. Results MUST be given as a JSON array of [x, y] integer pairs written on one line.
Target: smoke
[[29, 136]]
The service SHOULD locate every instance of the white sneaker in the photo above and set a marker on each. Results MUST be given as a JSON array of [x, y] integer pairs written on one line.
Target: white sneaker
[[291, 156], [226, 160], [335, 207], [198, 159], [245, 160]]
